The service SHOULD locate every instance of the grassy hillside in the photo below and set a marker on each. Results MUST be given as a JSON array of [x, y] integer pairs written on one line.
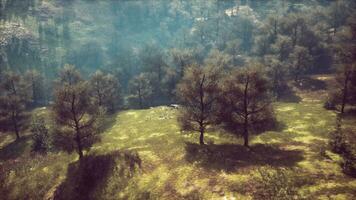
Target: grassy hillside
[[174, 166]]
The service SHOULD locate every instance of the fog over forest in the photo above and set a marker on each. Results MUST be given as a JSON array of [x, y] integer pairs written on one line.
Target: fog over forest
[[177, 99]]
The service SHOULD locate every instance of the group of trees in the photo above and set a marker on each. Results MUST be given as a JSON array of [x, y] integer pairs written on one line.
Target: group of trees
[[289, 39], [342, 96], [237, 102], [344, 91], [77, 106], [74, 111], [249, 52]]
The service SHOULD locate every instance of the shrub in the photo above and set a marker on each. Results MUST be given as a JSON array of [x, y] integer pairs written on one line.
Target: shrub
[[349, 166], [40, 135], [337, 141], [275, 184], [342, 142]]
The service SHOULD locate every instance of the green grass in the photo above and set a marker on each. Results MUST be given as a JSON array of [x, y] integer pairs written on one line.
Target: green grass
[[174, 166], [171, 171]]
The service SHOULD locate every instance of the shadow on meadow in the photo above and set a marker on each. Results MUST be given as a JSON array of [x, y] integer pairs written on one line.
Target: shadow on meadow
[[15, 149], [231, 157], [96, 176]]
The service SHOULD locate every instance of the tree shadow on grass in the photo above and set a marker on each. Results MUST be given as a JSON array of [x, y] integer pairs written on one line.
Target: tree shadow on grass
[[89, 177], [231, 157], [15, 149]]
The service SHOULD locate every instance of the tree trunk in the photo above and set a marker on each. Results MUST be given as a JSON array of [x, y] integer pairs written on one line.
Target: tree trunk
[[79, 144], [201, 138], [16, 127], [140, 98], [296, 77], [246, 142], [246, 112], [17, 131], [77, 130], [344, 97], [202, 110]]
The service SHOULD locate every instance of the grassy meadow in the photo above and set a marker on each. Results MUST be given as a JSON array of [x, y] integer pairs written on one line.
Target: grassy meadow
[[175, 166]]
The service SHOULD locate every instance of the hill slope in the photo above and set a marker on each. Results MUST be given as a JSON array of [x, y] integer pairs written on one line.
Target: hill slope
[[174, 166]]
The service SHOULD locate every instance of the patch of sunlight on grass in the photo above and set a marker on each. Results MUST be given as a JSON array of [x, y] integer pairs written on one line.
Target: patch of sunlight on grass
[[334, 156], [306, 138], [154, 133], [315, 166], [5, 139], [341, 191], [122, 137], [154, 181], [149, 155], [183, 182], [285, 109], [202, 183], [234, 178], [132, 114], [237, 196]]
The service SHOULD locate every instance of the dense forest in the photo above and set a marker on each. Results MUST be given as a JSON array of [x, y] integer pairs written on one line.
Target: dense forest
[[180, 99]]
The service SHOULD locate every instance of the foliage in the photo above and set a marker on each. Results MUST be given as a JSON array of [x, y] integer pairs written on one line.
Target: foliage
[[343, 93], [141, 90], [245, 102], [198, 93], [276, 184], [105, 90], [13, 98], [40, 135], [300, 62], [341, 142], [277, 73], [35, 82], [74, 112], [18, 47]]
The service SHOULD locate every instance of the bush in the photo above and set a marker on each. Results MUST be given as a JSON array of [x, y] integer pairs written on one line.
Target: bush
[[349, 166], [275, 184], [342, 142], [40, 135], [337, 141]]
